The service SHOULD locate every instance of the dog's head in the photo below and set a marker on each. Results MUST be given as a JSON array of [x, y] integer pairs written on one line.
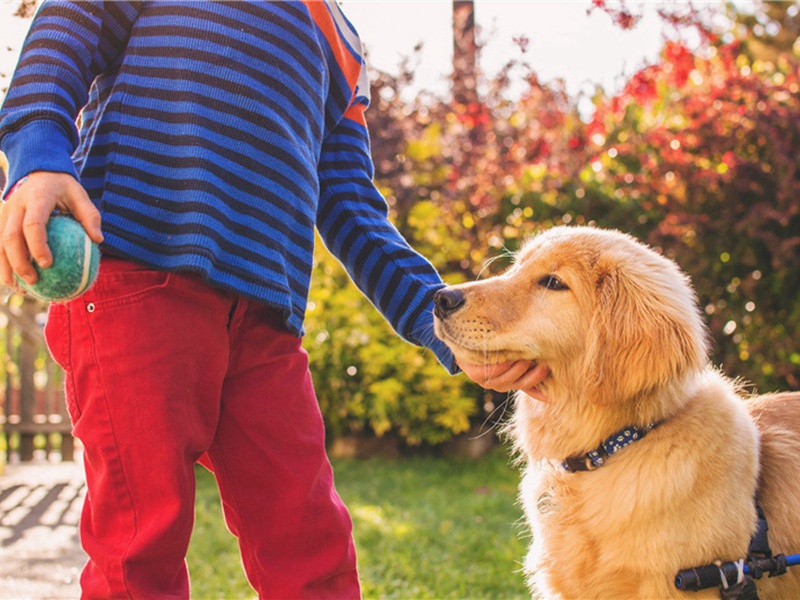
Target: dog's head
[[612, 318]]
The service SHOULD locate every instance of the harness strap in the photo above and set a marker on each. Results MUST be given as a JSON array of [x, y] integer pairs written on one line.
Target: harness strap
[[759, 561], [759, 555], [759, 543]]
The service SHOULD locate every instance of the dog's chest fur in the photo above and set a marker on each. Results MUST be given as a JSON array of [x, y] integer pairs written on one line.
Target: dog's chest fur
[[626, 529]]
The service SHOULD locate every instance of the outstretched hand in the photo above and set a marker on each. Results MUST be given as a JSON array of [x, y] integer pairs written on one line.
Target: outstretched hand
[[24, 217], [521, 375]]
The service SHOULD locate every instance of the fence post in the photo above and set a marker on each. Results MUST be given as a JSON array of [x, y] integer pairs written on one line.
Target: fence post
[[28, 351]]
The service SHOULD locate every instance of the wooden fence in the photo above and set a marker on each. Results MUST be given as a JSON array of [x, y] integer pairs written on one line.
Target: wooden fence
[[34, 419]]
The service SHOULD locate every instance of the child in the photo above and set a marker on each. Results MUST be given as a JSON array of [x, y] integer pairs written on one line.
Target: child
[[214, 137]]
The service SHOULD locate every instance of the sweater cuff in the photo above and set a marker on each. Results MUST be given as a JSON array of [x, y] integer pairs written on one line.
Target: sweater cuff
[[425, 323], [41, 145], [445, 356]]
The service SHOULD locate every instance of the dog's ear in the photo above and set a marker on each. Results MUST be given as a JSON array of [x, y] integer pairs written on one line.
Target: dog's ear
[[639, 339]]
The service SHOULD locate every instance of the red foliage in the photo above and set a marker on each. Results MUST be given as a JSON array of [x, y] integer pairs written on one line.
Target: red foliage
[[678, 63], [622, 17]]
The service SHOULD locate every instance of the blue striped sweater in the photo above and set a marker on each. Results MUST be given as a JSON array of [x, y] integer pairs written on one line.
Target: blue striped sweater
[[214, 137]]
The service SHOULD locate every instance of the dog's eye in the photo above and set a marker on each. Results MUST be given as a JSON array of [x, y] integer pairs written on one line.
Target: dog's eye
[[551, 282]]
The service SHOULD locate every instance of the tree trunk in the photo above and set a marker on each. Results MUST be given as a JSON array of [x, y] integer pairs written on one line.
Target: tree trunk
[[465, 53]]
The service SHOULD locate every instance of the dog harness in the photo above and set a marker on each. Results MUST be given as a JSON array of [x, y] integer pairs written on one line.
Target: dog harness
[[736, 580], [613, 444]]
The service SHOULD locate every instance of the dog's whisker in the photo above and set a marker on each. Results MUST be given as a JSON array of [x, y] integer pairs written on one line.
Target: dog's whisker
[[497, 423], [489, 262], [489, 369], [424, 333]]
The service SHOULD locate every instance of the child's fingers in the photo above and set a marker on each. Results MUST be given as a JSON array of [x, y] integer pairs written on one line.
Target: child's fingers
[[538, 394], [507, 375], [14, 245], [533, 377], [34, 227], [500, 377], [529, 383], [6, 272]]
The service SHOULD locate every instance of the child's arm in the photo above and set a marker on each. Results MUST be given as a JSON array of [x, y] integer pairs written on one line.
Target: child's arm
[[352, 219], [353, 222]]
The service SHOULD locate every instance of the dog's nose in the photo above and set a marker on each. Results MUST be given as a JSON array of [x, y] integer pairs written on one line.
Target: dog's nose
[[446, 301]]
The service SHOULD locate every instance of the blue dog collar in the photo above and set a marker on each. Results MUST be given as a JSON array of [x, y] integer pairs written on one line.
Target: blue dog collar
[[613, 444]]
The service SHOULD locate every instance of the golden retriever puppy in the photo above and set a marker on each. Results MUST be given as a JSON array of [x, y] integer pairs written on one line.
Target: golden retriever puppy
[[619, 328]]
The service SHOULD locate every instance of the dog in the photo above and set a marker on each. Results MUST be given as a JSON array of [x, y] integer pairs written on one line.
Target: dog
[[618, 325]]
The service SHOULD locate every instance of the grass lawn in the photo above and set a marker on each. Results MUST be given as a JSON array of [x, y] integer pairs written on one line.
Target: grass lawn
[[425, 527]]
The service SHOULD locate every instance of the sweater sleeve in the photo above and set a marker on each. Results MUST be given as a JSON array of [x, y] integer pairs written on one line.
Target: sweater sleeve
[[353, 222], [69, 44]]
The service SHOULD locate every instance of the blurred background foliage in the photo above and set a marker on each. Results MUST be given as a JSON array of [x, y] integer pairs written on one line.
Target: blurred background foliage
[[698, 155]]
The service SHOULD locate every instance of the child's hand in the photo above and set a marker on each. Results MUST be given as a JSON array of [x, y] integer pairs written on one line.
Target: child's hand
[[521, 375], [24, 217]]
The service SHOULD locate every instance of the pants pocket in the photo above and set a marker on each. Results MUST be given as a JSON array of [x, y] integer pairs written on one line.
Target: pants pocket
[[121, 283], [56, 334], [58, 337]]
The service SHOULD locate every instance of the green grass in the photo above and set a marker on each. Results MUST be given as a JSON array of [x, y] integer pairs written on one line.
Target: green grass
[[425, 527]]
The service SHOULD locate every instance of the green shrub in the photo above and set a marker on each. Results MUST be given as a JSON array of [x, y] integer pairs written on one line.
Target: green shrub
[[369, 380]]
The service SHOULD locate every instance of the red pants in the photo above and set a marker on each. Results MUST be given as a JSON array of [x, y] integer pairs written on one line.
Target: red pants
[[161, 370]]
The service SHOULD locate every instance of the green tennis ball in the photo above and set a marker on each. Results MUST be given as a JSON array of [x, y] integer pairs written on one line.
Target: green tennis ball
[[76, 259]]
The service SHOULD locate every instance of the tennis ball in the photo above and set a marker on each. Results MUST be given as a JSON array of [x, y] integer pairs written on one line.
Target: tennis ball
[[76, 259]]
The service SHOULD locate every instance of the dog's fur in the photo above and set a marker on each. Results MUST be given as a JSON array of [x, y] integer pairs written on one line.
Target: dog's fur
[[626, 345]]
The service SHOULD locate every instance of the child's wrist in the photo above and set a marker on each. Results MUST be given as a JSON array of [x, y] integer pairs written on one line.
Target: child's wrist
[[16, 186]]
